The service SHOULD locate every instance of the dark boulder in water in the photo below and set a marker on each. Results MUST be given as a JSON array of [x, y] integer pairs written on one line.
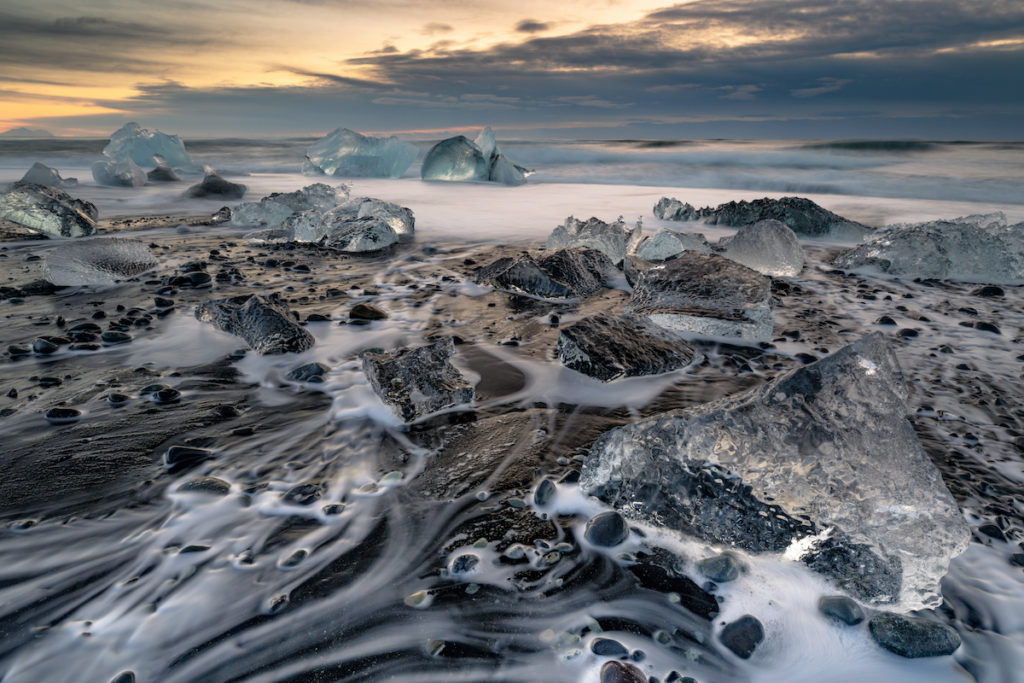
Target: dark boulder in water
[[419, 380], [163, 173], [216, 187], [913, 636], [310, 372], [48, 210], [803, 216], [720, 568], [841, 608], [608, 347], [606, 530], [742, 636], [562, 274], [265, 324]]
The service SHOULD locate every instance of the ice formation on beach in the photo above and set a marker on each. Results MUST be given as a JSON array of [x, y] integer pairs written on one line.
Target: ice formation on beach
[[125, 173], [459, 159], [264, 322], [706, 295], [767, 246], [97, 261], [357, 235], [821, 458], [665, 244], [273, 209], [980, 248], [614, 240], [563, 274], [41, 174], [344, 153], [417, 381], [48, 210], [135, 143], [802, 216]]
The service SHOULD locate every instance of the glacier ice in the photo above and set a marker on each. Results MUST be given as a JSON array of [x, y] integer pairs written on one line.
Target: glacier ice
[[97, 261], [768, 247], [273, 209], [803, 216], [562, 274], [706, 295], [612, 239], [665, 244], [118, 173], [262, 213], [48, 210], [398, 217], [139, 145], [347, 154], [981, 249], [459, 159], [417, 381], [265, 323], [356, 235], [820, 462], [41, 174]]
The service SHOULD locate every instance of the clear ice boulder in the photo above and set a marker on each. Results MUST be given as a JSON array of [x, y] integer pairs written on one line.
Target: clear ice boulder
[[100, 261], [344, 153]]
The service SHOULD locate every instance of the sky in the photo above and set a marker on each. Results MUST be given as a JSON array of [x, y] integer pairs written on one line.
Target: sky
[[938, 69]]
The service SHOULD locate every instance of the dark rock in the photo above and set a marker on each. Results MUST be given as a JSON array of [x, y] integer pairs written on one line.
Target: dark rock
[[317, 318], [656, 577], [166, 396], [621, 672], [265, 324], [803, 216], [47, 210], [116, 399], [124, 677], [161, 302], [417, 381], [986, 327], [464, 563], [363, 311], [310, 372], [113, 338], [17, 350], [563, 274], [742, 636], [185, 456], [545, 491], [44, 347], [303, 494], [163, 173], [606, 530], [608, 347], [720, 568], [62, 416], [886, 320], [606, 647], [989, 291], [208, 485], [213, 186], [841, 608], [913, 636]]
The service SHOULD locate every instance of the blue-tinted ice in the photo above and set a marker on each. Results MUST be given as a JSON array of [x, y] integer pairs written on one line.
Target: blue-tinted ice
[[346, 154], [459, 159]]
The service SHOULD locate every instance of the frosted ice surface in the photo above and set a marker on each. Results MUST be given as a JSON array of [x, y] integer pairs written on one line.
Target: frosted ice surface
[[41, 174], [706, 295], [802, 215], [345, 153], [273, 209], [459, 159], [359, 235], [140, 145], [614, 240], [306, 226], [265, 323], [400, 218], [118, 173], [48, 210], [97, 261], [265, 212], [981, 249], [768, 246], [822, 451], [417, 381], [665, 244]]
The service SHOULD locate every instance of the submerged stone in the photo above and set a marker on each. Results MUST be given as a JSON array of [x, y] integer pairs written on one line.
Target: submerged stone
[[801, 215], [608, 347], [841, 608], [417, 381], [213, 186], [720, 568], [742, 636], [705, 294], [913, 636], [564, 274], [612, 239], [48, 210], [768, 246], [621, 672], [606, 530], [118, 173], [41, 174], [265, 324], [97, 261], [665, 244], [163, 173], [310, 372], [819, 463], [347, 154]]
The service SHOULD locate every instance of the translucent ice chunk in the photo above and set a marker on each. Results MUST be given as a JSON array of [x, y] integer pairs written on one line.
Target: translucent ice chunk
[[265, 212], [417, 381], [821, 460], [345, 153], [118, 173], [41, 174], [981, 249], [135, 143], [97, 261], [459, 159], [768, 247], [48, 210], [359, 235], [802, 215], [613, 239], [665, 244], [273, 209]]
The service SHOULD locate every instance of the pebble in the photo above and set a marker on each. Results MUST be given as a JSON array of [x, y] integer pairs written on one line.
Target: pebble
[[303, 494], [117, 400], [62, 416], [43, 347], [720, 568], [178, 456], [989, 291], [606, 530], [166, 396], [545, 492], [606, 647], [465, 563], [841, 608], [742, 636], [124, 677], [16, 350], [210, 485], [621, 672], [113, 337], [366, 312], [913, 636]]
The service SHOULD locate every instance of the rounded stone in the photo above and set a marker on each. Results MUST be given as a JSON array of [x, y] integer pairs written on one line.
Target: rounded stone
[[366, 312], [115, 337], [62, 416], [116, 399], [606, 647], [167, 396], [208, 485], [742, 636], [913, 637], [720, 568], [621, 672], [43, 347], [606, 530], [841, 608], [545, 492], [465, 563]]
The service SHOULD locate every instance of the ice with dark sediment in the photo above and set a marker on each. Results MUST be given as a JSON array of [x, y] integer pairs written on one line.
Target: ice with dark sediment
[[614, 239], [705, 295], [215, 187], [41, 174], [981, 249], [358, 235], [48, 210], [562, 274], [767, 246], [125, 173], [459, 159], [346, 154], [140, 145], [803, 216], [97, 261], [264, 322], [272, 210], [819, 464], [163, 173], [665, 244], [417, 381], [611, 346], [399, 218]]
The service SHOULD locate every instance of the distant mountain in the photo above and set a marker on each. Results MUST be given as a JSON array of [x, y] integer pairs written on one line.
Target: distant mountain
[[23, 132]]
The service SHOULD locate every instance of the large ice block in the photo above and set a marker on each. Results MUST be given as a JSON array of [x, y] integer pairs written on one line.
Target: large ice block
[[982, 249], [133, 142], [614, 240], [459, 159], [665, 244], [803, 216], [346, 154], [118, 173], [48, 210], [97, 261], [265, 323], [273, 209], [400, 218], [417, 381], [562, 274], [768, 247], [41, 174], [820, 464]]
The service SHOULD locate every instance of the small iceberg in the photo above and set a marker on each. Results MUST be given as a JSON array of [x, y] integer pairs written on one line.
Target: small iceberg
[[459, 159], [344, 153]]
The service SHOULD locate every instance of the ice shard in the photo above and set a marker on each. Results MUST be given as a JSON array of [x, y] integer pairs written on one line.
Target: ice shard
[[803, 216], [563, 274], [768, 247], [359, 235], [981, 249], [48, 210], [97, 261], [41, 174], [417, 381], [614, 240], [346, 154], [706, 295], [399, 218], [459, 159], [273, 209], [665, 244], [265, 323], [820, 464], [118, 173], [139, 145]]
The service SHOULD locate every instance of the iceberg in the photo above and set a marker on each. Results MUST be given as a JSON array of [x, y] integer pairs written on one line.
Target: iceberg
[[265, 323], [563, 274], [118, 173], [346, 154], [706, 295], [612, 239], [97, 261], [273, 209], [819, 464], [48, 210], [134, 143], [415, 382], [399, 218], [803, 216], [665, 244], [41, 174], [768, 247], [979, 249], [459, 159]]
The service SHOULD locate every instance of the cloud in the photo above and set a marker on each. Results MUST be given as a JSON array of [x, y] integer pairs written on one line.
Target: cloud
[[826, 84], [433, 28], [740, 92], [532, 26]]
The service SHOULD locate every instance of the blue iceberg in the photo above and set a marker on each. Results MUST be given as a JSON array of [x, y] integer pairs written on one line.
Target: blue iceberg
[[459, 159], [135, 143], [347, 154]]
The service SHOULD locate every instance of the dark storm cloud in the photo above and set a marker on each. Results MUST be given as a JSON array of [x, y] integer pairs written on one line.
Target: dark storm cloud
[[531, 26]]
